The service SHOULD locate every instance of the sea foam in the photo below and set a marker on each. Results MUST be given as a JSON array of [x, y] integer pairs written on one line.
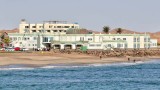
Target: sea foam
[[94, 65], [16, 68], [73, 66]]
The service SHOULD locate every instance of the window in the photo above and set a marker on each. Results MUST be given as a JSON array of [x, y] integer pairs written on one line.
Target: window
[[138, 39], [72, 26], [60, 30], [34, 38], [124, 38], [58, 26], [145, 39], [33, 26], [89, 39], [26, 26], [55, 30], [145, 46], [48, 31], [134, 40], [138, 45], [118, 38], [98, 45], [40, 26], [66, 26], [91, 45], [134, 45], [50, 26], [10, 45], [148, 39], [148, 45], [33, 31], [126, 45], [33, 44], [114, 39], [109, 45], [28, 44], [81, 38], [25, 38], [118, 45], [45, 39]]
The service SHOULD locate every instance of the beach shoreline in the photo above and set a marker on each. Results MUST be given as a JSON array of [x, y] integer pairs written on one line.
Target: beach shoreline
[[39, 59]]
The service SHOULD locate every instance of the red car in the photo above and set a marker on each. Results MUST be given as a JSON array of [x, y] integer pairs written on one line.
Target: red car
[[17, 49]]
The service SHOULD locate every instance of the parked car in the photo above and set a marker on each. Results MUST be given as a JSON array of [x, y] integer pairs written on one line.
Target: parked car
[[24, 49], [2, 49], [17, 48], [9, 49]]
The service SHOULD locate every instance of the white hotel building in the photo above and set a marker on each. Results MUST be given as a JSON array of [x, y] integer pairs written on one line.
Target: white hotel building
[[52, 34]]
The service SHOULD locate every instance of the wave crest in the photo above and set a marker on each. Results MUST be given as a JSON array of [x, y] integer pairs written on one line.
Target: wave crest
[[73, 66]]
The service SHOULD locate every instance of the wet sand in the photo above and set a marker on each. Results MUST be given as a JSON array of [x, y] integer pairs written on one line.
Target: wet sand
[[49, 58]]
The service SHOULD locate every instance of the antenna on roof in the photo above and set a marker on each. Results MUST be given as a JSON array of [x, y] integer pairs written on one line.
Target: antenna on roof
[[23, 21]]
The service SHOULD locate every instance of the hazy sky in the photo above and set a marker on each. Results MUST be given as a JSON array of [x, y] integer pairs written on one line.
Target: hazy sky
[[138, 15]]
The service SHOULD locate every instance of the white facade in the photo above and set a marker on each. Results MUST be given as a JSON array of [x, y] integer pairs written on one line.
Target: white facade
[[153, 43], [73, 41], [50, 27], [52, 34]]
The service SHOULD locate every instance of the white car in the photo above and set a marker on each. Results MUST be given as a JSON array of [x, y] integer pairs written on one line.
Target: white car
[[24, 49], [2, 49], [9, 49]]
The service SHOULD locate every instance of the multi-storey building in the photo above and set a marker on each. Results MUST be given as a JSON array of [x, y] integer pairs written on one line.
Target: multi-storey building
[[33, 36], [50, 27], [74, 41]]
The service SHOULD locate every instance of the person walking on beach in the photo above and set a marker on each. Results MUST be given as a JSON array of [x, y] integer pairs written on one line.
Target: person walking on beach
[[100, 57], [128, 59], [134, 60]]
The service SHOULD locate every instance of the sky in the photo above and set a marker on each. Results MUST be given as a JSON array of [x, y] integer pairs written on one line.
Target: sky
[[136, 15]]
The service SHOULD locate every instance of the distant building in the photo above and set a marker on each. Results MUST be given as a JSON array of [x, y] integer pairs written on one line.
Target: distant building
[[50, 27], [30, 36], [73, 41], [153, 43]]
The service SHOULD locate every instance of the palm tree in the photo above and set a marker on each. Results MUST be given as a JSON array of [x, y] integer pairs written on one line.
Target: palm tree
[[6, 41], [119, 30], [106, 29]]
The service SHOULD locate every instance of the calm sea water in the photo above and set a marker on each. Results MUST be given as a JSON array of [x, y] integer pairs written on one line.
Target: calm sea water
[[122, 76]]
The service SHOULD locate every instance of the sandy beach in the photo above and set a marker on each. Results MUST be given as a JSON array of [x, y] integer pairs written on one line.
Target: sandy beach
[[49, 58]]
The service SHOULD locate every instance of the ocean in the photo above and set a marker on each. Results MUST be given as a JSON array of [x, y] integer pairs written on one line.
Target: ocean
[[117, 76]]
